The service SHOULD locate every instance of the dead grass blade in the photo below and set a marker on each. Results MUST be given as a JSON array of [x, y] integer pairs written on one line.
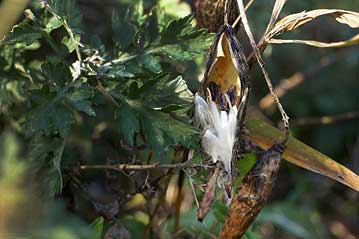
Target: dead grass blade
[[260, 61], [301, 154], [293, 21], [278, 5], [352, 41]]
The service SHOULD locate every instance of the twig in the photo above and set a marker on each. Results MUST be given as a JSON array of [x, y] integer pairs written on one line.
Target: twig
[[104, 92], [138, 167], [238, 19], [285, 117], [192, 188], [325, 119]]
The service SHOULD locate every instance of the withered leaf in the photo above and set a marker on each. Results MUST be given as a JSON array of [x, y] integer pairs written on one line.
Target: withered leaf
[[208, 197]]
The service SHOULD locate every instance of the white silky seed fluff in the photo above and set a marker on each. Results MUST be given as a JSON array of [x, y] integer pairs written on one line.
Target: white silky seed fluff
[[219, 130]]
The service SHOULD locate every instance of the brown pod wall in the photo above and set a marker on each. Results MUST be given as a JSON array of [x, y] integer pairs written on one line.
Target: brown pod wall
[[210, 13]]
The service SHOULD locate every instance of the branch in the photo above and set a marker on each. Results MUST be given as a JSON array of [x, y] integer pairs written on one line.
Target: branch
[[254, 191], [260, 61], [325, 119], [138, 167]]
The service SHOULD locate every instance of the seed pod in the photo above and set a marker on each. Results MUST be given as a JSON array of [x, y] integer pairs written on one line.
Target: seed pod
[[226, 69], [210, 13], [225, 86]]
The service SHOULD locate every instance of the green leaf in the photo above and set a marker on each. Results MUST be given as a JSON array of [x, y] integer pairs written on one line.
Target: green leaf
[[127, 123], [57, 72], [180, 41], [161, 92], [245, 164], [80, 98], [162, 130], [124, 30], [52, 23], [46, 155], [295, 220], [152, 63], [173, 31], [49, 114], [22, 35], [187, 47], [251, 234], [69, 43], [97, 225], [220, 211], [67, 12]]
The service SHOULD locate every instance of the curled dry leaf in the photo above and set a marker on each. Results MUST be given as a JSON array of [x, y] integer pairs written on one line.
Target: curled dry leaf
[[278, 6], [293, 21], [352, 41], [209, 196]]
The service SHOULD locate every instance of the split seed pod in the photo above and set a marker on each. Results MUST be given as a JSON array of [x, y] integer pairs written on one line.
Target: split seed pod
[[220, 106]]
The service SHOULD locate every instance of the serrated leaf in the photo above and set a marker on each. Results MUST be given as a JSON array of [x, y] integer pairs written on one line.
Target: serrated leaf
[[152, 63], [49, 114], [69, 43], [127, 123], [80, 99], [124, 30], [52, 119], [161, 92], [186, 45], [67, 11], [174, 30], [162, 130], [46, 155], [57, 72]]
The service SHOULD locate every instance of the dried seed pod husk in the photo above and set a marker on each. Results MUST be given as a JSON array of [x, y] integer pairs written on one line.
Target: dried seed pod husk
[[225, 85], [226, 68], [210, 13]]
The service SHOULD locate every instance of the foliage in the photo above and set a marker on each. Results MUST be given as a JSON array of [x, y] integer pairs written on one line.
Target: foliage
[[60, 91], [124, 96]]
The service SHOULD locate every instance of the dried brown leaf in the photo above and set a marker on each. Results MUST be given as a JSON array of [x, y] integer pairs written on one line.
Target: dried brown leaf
[[296, 20], [209, 196], [301, 154], [278, 5], [352, 41]]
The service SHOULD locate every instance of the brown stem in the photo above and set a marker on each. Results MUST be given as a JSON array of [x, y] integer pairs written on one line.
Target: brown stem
[[122, 167], [254, 191], [325, 119]]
